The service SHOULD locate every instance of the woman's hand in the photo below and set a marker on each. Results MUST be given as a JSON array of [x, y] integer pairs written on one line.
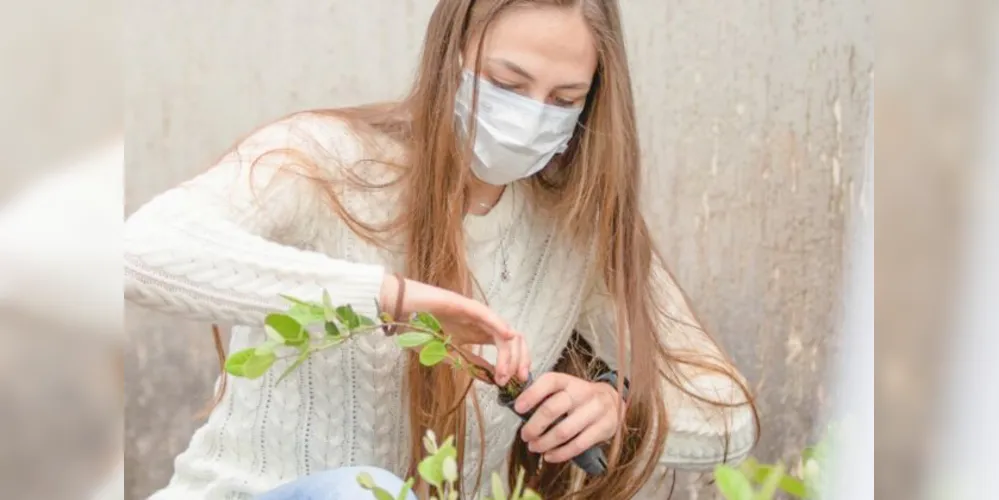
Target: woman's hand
[[594, 411], [466, 320]]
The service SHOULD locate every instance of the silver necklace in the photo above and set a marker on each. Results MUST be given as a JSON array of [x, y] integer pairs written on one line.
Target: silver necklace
[[504, 257]]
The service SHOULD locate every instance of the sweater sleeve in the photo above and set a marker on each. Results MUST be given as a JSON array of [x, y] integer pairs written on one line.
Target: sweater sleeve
[[209, 249], [700, 435]]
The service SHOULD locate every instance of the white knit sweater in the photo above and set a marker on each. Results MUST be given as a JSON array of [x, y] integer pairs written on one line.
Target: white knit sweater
[[224, 246]]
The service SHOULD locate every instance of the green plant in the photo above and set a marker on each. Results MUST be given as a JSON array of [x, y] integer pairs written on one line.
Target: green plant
[[367, 482], [752, 480], [736, 484], [307, 328], [439, 469]]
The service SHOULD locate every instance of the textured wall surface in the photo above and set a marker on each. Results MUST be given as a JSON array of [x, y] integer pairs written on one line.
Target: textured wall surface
[[753, 119]]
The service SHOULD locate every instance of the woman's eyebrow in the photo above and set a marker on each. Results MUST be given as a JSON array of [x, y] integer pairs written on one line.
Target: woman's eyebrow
[[512, 66]]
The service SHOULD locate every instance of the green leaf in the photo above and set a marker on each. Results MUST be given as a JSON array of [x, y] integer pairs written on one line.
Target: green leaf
[[448, 447], [759, 474], [365, 321], [430, 442], [368, 483], [273, 335], [530, 494], [331, 329], [793, 486], [406, 489], [287, 327], [413, 339], [365, 480], [236, 362], [449, 469], [247, 363], [258, 365], [329, 312], [306, 315], [430, 470], [432, 353], [732, 483], [381, 494], [499, 493], [770, 483], [428, 321], [348, 317]]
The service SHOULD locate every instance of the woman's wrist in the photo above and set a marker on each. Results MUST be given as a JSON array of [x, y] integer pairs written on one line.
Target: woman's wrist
[[610, 379], [392, 300], [387, 296]]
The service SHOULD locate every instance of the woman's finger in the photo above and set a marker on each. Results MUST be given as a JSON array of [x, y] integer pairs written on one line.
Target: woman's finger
[[519, 353], [578, 420], [503, 362], [592, 435], [490, 322], [544, 386], [524, 371], [554, 407]]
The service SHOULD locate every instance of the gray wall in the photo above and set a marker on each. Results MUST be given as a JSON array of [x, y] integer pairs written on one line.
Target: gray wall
[[753, 120]]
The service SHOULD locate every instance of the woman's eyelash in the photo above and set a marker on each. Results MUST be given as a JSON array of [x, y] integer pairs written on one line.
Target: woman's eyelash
[[504, 86], [557, 101]]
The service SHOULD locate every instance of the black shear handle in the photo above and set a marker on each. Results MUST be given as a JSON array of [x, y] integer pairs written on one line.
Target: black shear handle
[[592, 461]]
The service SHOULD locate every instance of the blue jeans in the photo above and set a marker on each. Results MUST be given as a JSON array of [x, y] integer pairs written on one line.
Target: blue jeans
[[337, 484]]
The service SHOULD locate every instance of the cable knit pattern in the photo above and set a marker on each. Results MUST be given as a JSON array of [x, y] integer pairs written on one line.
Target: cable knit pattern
[[223, 247]]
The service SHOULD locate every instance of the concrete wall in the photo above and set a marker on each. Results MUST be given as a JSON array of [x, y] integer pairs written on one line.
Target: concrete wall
[[753, 120]]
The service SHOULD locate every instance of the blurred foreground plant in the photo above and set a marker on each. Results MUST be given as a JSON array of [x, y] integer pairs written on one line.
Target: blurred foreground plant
[[752, 480], [439, 469]]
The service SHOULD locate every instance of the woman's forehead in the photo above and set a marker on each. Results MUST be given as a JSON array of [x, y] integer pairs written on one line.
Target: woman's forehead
[[543, 41]]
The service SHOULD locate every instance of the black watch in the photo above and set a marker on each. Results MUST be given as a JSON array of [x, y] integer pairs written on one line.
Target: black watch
[[610, 377]]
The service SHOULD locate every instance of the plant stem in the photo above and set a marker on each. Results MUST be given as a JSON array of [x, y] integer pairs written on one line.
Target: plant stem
[[474, 364]]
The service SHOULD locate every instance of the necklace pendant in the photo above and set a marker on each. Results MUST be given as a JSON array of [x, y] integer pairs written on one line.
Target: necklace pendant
[[505, 275]]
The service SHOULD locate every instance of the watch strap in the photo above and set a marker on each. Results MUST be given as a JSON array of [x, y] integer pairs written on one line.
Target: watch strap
[[611, 377]]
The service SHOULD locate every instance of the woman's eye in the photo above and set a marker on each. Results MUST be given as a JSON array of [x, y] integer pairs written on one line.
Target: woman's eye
[[565, 103], [504, 86]]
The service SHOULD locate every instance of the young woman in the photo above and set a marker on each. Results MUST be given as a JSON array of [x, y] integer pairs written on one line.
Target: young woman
[[505, 189]]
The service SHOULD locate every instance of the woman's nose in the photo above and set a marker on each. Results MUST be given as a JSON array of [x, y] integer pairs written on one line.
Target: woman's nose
[[539, 94]]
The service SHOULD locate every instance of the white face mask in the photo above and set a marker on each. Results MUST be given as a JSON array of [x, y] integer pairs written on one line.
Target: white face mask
[[515, 136]]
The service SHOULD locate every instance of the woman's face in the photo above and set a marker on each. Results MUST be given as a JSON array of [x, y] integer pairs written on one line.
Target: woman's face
[[545, 53]]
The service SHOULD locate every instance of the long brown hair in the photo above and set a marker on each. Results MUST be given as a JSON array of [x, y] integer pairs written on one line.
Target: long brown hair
[[595, 184]]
